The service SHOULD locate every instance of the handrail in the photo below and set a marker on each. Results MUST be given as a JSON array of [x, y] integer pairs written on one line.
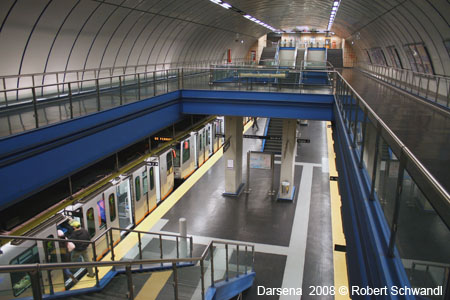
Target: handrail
[[434, 88], [98, 70], [409, 70], [431, 181], [35, 269]]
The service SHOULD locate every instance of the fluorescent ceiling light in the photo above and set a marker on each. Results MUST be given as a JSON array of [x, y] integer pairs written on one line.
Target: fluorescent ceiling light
[[248, 16], [225, 5], [216, 1]]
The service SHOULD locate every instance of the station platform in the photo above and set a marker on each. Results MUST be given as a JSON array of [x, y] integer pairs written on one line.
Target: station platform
[[293, 240]]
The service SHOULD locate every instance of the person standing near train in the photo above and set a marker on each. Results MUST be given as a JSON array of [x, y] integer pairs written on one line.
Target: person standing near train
[[81, 248]]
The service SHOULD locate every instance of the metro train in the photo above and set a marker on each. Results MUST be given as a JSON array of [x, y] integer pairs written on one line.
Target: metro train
[[123, 202]]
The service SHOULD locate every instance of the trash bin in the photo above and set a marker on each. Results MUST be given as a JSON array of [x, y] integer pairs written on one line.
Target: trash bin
[[285, 187]]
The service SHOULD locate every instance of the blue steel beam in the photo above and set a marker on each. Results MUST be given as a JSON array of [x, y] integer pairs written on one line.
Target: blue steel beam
[[31, 161], [272, 105], [59, 155]]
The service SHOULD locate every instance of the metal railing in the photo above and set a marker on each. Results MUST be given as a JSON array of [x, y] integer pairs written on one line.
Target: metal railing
[[105, 242], [434, 88], [33, 79], [367, 130], [243, 267]]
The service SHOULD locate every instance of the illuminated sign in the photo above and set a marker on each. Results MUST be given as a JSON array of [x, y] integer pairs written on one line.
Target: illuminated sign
[[164, 139]]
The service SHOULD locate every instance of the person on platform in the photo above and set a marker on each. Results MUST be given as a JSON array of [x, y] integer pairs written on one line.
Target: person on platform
[[81, 248], [65, 249], [255, 123]]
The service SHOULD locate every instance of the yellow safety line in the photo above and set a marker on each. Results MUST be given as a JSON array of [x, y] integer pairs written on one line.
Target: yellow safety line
[[147, 224], [339, 258], [153, 286]]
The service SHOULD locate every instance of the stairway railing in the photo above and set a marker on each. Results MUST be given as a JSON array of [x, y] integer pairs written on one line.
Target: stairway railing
[[35, 272], [100, 246]]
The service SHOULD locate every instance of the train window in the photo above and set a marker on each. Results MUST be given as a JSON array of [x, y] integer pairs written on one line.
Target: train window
[[176, 160], [201, 141], [208, 137], [137, 187], [112, 207], [186, 150], [101, 214], [90, 221], [169, 161], [51, 250], [20, 281], [144, 182], [152, 179]]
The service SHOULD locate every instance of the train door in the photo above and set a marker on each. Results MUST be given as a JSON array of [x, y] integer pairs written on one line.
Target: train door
[[112, 219], [140, 187], [217, 131], [166, 173], [154, 195], [52, 281], [94, 220], [124, 204], [187, 157], [199, 146], [209, 140], [196, 149]]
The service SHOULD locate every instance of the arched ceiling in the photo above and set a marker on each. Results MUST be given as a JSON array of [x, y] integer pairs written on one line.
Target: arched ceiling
[[56, 35]]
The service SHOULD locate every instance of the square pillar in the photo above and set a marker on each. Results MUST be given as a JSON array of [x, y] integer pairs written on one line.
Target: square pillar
[[233, 156], [286, 189]]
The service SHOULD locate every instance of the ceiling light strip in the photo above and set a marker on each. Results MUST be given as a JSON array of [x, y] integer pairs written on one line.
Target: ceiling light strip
[[249, 17], [333, 13]]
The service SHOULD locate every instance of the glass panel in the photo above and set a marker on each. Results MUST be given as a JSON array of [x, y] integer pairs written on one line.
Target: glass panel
[[51, 250], [112, 207], [171, 155], [358, 130], [124, 204], [137, 188], [176, 160], [152, 179], [370, 137], [90, 221], [422, 240], [101, 214], [386, 179], [21, 281], [186, 150]]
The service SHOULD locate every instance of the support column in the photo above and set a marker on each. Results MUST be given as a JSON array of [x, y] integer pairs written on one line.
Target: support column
[[288, 153], [233, 156]]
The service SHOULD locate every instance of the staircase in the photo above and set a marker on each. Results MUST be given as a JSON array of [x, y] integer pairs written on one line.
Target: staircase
[[300, 58], [275, 129], [268, 54], [334, 56]]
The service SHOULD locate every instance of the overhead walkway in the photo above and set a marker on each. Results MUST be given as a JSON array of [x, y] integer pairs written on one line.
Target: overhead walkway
[[423, 128]]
